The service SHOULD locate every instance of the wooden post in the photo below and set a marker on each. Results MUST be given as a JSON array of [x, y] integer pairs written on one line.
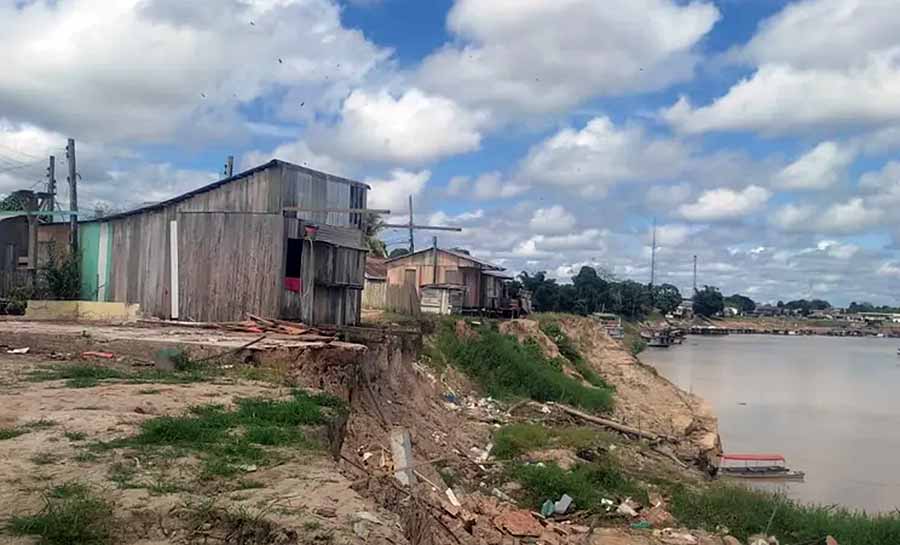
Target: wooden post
[[434, 276], [412, 243], [73, 197], [51, 183], [173, 256], [229, 167]]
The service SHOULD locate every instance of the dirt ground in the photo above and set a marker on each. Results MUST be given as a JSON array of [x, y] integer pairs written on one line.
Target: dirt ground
[[307, 497]]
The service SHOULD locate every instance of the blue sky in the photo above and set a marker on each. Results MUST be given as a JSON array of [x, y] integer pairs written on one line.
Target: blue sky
[[761, 135]]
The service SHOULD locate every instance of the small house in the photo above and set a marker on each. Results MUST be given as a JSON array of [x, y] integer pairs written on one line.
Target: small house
[[278, 240], [374, 293], [483, 284]]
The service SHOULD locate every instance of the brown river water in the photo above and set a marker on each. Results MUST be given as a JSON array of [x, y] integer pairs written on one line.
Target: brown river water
[[830, 405]]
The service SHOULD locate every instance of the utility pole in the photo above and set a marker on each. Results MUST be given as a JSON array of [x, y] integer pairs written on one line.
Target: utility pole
[[412, 239], [413, 227], [695, 274], [73, 197], [229, 166], [51, 184], [653, 257], [435, 260]]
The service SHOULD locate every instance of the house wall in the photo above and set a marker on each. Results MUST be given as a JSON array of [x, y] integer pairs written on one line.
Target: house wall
[[374, 294], [13, 242], [231, 250], [423, 263]]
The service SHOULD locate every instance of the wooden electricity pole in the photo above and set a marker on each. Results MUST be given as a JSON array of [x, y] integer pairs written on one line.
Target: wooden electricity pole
[[51, 184], [229, 166], [73, 197], [413, 227]]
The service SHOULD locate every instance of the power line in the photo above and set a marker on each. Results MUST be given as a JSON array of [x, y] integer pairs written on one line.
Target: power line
[[26, 154]]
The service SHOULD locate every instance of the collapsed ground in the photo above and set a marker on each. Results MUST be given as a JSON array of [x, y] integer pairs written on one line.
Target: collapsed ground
[[290, 442]]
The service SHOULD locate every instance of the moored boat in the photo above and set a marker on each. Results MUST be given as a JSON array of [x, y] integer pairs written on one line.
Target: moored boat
[[757, 466]]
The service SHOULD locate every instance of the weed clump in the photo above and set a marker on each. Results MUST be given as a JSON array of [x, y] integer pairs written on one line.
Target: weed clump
[[507, 369], [72, 513], [587, 484], [746, 512], [516, 439], [569, 351]]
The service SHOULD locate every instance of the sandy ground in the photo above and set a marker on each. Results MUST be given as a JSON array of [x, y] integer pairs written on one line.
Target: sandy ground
[[290, 494]]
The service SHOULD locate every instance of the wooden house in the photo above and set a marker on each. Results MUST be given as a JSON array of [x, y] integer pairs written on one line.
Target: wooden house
[[483, 282], [374, 294], [278, 240]]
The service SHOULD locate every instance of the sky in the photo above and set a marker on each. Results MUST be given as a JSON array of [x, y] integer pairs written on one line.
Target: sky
[[762, 136]]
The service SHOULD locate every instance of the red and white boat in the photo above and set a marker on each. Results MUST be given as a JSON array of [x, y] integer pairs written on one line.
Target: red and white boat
[[757, 466]]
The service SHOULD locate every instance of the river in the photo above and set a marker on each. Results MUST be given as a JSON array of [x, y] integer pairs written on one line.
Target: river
[[830, 405]]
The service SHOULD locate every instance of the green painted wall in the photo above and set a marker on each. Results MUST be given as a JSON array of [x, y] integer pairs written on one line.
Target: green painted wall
[[89, 244]]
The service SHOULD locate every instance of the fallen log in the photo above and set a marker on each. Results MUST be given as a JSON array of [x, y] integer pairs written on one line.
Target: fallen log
[[610, 423]]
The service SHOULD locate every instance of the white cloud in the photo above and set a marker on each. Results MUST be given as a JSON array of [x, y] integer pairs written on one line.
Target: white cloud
[[553, 220], [533, 56], [819, 168], [890, 269], [821, 65], [544, 246], [393, 193], [442, 218], [725, 204], [299, 152], [849, 217], [882, 186], [117, 70], [457, 185], [837, 250], [667, 196], [791, 216], [412, 128], [674, 234], [601, 155]]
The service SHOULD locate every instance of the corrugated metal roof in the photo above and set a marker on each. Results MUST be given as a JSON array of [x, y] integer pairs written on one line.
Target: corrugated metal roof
[[376, 268], [473, 259], [220, 183]]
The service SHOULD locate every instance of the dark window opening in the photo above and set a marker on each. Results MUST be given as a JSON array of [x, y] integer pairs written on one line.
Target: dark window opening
[[292, 262]]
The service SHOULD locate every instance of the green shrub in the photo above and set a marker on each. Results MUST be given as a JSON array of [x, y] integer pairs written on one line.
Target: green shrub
[[72, 514], [517, 439], [568, 349], [507, 369], [587, 484], [746, 512]]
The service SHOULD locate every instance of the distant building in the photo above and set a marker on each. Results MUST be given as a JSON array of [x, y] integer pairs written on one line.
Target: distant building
[[730, 312]]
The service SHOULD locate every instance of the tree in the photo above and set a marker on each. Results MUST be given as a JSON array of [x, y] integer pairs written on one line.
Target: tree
[[373, 225], [708, 301], [666, 298], [741, 302], [591, 290], [11, 203], [398, 252]]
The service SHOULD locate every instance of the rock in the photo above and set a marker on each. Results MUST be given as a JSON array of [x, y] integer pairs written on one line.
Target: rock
[[613, 536], [497, 493], [367, 516], [731, 540], [830, 541], [519, 523], [658, 517], [484, 532], [675, 537], [327, 512]]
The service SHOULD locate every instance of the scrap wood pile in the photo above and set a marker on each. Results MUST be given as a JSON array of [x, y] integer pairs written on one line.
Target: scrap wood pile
[[261, 326]]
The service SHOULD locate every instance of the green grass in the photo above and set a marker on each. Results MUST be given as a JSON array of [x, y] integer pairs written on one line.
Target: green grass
[[506, 369], [587, 484], [72, 515], [229, 440], [514, 440], [746, 512], [41, 424], [75, 435], [90, 375], [11, 433], [569, 351]]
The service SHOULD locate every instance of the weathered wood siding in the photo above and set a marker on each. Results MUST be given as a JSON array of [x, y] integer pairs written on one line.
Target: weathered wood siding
[[231, 249], [423, 264], [374, 294], [13, 242]]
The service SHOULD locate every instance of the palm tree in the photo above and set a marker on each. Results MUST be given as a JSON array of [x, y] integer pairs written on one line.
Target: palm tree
[[373, 225]]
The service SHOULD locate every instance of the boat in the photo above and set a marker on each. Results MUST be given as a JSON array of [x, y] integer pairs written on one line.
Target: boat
[[758, 466], [657, 339]]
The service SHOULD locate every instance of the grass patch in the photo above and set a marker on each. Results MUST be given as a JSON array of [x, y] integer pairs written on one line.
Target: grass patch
[[747, 512], [11, 433], [586, 483], [123, 475], [507, 369], [228, 440], [72, 514], [85, 456], [91, 375], [41, 424], [517, 439], [569, 351], [44, 458], [75, 435]]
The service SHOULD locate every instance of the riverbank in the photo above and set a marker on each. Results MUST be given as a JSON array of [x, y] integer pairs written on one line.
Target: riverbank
[[787, 326]]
